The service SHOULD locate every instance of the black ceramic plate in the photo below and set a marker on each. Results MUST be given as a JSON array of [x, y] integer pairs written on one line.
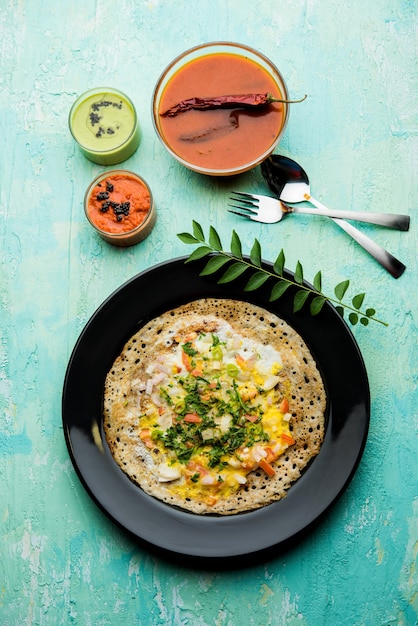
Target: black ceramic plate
[[176, 532]]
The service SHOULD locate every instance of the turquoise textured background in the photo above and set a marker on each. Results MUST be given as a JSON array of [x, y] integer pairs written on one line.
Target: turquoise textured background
[[61, 560]]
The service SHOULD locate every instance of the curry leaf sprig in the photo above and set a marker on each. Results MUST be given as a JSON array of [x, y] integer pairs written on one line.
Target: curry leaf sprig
[[235, 265]]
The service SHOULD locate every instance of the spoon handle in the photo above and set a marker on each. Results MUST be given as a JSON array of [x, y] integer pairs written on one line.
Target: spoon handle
[[385, 258], [390, 220], [395, 267]]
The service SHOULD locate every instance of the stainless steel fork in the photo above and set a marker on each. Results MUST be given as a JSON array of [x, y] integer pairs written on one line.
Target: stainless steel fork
[[270, 210], [391, 264]]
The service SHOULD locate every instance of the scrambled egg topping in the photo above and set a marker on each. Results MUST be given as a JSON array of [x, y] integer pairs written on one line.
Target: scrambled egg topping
[[213, 410]]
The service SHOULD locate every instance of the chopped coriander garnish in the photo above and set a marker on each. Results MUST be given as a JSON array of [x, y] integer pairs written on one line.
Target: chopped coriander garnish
[[188, 348], [215, 340], [164, 394]]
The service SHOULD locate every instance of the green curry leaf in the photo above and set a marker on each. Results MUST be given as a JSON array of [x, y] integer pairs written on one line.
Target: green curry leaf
[[341, 288], [358, 300], [255, 254], [256, 280], [214, 240], [317, 304], [299, 273], [233, 271], [213, 265], [317, 281], [300, 299], [236, 247], [279, 289], [187, 238], [199, 253], [279, 263], [197, 231]]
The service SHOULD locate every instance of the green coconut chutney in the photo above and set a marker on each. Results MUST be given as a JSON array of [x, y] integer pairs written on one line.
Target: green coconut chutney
[[104, 124]]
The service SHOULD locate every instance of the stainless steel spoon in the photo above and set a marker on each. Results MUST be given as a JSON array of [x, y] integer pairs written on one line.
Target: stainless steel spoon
[[289, 181]]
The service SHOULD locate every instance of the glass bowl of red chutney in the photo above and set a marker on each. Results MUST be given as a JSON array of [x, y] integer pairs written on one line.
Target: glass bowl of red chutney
[[120, 207], [208, 108]]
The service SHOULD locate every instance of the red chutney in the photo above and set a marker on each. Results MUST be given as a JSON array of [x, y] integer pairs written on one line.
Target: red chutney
[[119, 205], [221, 138]]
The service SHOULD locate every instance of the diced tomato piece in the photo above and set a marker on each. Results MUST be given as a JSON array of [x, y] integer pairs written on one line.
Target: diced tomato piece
[[248, 394], [187, 362], [192, 418], [287, 438], [266, 467], [270, 455], [195, 467], [284, 406], [145, 436], [240, 361]]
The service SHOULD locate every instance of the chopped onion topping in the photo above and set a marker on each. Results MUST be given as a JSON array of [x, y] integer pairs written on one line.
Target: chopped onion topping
[[207, 479], [240, 479], [167, 473]]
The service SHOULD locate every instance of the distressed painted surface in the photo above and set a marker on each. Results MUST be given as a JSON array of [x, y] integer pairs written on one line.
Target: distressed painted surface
[[62, 562]]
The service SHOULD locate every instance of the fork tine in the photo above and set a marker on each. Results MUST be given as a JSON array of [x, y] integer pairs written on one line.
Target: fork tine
[[249, 216], [244, 208], [245, 196], [246, 204]]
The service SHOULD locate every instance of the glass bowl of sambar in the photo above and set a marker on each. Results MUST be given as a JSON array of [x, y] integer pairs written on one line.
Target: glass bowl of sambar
[[206, 113]]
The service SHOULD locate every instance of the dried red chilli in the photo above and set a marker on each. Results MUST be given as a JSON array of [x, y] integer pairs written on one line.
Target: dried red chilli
[[225, 102]]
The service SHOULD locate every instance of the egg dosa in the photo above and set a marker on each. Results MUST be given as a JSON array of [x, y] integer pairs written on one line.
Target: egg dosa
[[128, 404]]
